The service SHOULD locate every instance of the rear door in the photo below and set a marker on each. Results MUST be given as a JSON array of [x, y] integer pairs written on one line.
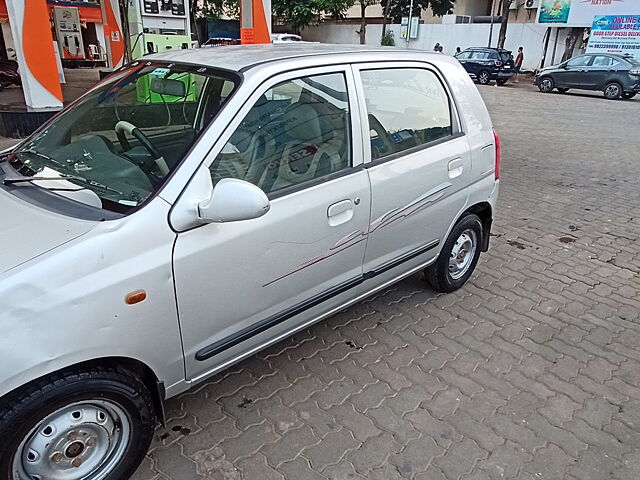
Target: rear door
[[603, 69], [418, 163]]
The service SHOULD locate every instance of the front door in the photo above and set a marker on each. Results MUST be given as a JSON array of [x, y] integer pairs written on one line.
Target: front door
[[418, 164], [242, 284], [575, 73]]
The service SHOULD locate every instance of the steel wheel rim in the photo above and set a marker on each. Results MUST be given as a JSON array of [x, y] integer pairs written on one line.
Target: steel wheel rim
[[81, 441], [612, 91], [546, 85], [462, 254]]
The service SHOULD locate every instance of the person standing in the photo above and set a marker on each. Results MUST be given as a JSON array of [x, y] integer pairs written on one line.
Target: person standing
[[458, 51], [518, 63]]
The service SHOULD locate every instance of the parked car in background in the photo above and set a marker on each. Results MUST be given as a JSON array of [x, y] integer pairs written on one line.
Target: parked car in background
[[221, 41], [617, 76], [485, 64], [285, 38], [193, 209]]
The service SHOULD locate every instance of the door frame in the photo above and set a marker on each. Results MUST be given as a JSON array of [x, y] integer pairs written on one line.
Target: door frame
[[457, 126]]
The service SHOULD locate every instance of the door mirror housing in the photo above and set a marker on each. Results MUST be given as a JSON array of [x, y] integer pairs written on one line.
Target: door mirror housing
[[233, 200]]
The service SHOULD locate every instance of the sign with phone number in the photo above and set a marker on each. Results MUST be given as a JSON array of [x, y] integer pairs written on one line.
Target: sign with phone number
[[615, 34]]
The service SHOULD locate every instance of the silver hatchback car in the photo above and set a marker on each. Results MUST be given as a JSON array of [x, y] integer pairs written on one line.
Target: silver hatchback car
[[198, 206]]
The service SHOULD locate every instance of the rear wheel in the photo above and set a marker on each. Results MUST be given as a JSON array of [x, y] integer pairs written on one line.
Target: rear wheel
[[501, 81], [85, 424], [458, 257], [546, 84], [484, 77], [613, 91], [563, 90], [628, 95]]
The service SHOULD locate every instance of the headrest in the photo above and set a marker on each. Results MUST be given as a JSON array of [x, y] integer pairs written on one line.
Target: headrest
[[303, 123]]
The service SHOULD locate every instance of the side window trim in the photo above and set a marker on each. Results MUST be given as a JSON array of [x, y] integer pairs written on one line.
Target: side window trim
[[457, 130]]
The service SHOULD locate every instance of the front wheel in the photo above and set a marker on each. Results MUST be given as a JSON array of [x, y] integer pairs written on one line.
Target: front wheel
[[501, 81], [483, 77], [458, 257], [628, 95], [613, 91], [85, 424], [546, 84]]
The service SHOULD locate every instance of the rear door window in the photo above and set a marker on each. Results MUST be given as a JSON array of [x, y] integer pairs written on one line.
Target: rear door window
[[406, 108], [604, 61]]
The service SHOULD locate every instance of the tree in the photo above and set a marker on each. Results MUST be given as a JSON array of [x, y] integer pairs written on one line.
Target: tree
[[504, 8], [363, 18], [570, 42], [400, 8], [335, 8], [216, 9], [298, 14]]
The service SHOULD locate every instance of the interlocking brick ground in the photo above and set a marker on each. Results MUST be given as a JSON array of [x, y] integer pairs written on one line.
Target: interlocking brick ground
[[531, 371]]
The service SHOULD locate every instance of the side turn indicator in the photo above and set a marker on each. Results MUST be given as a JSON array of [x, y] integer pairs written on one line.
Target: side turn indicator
[[135, 297]]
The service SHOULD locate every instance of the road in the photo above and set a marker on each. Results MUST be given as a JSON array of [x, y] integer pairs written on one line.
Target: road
[[531, 371]]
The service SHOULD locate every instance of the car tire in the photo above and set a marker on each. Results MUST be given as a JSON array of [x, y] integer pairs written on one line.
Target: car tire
[[458, 257], [546, 84], [91, 423], [484, 77], [502, 81], [612, 91], [628, 95], [563, 90]]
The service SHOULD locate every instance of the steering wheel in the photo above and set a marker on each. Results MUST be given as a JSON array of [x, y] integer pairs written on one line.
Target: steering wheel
[[123, 127]]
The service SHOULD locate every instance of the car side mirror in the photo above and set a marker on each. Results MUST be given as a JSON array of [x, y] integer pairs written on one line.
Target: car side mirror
[[233, 200]]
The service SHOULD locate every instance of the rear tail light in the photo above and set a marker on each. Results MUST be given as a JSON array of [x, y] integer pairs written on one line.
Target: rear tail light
[[496, 139], [498, 63]]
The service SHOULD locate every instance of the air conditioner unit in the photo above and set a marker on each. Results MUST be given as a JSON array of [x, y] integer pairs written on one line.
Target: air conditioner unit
[[449, 19], [531, 3], [515, 4]]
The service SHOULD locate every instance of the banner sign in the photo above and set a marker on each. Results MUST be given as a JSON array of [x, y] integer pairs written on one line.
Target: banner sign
[[615, 34], [580, 13]]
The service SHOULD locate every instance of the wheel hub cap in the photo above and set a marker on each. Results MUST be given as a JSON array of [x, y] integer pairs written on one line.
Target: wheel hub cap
[[462, 254], [80, 441]]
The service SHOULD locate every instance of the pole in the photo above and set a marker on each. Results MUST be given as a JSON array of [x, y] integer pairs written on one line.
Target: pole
[[491, 26], [409, 26]]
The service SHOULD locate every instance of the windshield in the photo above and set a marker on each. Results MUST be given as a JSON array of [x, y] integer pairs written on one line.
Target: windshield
[[117, 145]]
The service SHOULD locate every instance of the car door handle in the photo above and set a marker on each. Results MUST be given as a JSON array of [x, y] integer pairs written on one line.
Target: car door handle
[[340, 212], [456, 167]]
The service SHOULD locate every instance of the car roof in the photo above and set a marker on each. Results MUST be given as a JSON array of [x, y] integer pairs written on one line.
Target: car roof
[[243, 57]]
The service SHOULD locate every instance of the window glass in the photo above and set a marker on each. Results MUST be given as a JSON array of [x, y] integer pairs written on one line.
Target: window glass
[[604, 61], [123, 138], [579, 61], [406, 107], [464, 55], [480, 55], [297, 131]]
